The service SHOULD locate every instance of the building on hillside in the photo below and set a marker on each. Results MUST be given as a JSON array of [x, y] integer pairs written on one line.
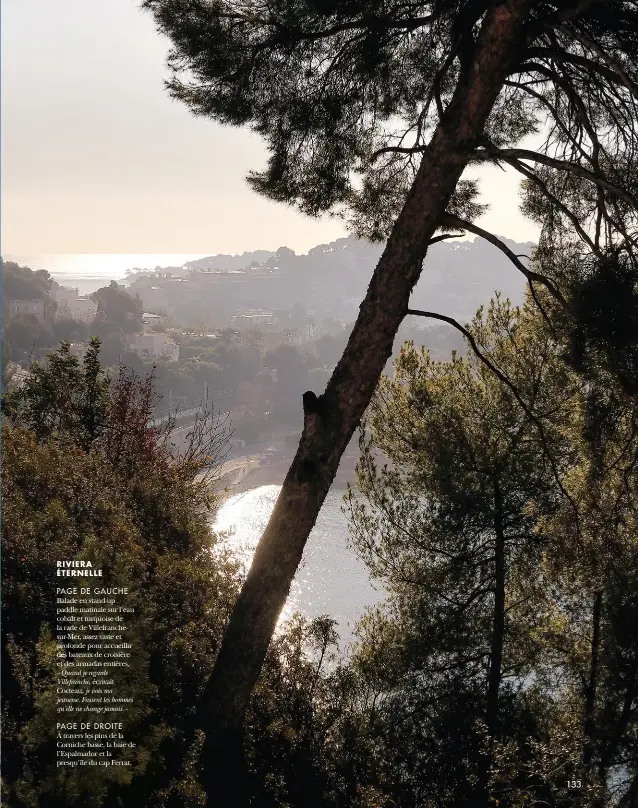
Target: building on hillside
[[65, 295], [18, 377], [149, 318], [82, 309], [153, 345], [72, 306], [254, 318], [35, 307]]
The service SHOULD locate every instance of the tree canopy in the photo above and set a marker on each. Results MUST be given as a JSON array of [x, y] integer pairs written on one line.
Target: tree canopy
[[507, 651], [347, 96], [23, 283], [84, 476], [374, 112], [116, 306]]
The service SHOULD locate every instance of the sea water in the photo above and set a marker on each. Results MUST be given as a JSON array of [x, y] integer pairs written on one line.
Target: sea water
[[331, 579]]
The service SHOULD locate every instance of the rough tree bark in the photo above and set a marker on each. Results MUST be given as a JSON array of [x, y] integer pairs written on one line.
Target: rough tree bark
[[331, 419]]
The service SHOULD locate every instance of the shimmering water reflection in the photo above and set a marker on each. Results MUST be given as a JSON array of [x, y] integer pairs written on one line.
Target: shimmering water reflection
[[330, 580]]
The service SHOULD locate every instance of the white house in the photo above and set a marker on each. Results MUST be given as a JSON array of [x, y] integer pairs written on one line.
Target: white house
[[65, 295], [153, 345], [82, 309], [150, 318]]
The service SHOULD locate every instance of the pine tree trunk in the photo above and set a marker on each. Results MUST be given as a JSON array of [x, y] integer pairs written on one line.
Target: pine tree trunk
[[480, 797], [498, 619], [330, 420]]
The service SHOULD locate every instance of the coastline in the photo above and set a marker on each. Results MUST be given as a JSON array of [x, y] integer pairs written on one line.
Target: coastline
[[243, 473]]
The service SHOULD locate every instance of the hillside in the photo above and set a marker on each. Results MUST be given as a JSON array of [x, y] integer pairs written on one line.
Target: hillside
[[329, 281]]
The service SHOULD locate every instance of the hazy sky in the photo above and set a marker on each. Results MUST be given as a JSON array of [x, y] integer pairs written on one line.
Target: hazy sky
[[97, 159]]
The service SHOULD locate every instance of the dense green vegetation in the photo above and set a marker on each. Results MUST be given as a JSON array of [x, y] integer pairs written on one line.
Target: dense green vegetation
[[496, 503], [84, 477], [501, 516], [22, 334]]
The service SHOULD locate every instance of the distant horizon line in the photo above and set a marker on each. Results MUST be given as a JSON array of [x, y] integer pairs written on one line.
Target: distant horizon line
[[116, 264]]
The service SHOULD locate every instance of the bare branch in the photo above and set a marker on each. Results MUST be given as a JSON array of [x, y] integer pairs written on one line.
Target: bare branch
[[602, 54], [591, 66], [483, 358], [444, 237], [528, 273], [397, 150], [526, 172], [508, 155], [559, 17], [569, 136]]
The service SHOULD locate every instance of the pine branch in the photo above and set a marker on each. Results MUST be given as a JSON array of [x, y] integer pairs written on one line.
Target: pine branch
[[492, 153], [515, 392], [528, 273]]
